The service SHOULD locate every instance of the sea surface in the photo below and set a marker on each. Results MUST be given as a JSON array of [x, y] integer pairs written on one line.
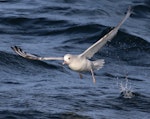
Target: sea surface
[[49, 90]]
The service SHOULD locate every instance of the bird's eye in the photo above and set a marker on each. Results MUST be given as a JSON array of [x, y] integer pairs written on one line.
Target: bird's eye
[[69, 58]]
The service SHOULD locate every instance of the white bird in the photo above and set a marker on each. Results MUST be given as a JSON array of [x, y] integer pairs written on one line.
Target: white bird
[[81, 62]]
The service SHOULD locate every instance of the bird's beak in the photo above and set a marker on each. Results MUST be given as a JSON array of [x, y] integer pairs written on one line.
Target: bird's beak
[[64, 63]]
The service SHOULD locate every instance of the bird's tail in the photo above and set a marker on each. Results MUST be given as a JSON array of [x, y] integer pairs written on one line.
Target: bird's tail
[[98, 64]]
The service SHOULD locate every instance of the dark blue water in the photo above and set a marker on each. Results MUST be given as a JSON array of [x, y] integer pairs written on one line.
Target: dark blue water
[[49, 90]]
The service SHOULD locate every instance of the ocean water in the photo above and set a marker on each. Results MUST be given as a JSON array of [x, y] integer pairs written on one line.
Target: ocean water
[[50, 90]]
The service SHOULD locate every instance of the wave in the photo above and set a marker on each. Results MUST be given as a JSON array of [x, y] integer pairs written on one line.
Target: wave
[[31, 26], [138, 102], [142, 11], [31, 114], [9, 61]]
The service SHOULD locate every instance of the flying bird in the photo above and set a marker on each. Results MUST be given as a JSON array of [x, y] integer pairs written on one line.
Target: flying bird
[[81, 63]]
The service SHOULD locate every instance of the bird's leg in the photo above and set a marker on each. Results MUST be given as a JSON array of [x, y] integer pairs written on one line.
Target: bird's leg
[[81, 77], [93, 77]]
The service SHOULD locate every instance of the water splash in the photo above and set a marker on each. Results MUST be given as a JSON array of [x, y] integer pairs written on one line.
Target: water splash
[[126, 90]]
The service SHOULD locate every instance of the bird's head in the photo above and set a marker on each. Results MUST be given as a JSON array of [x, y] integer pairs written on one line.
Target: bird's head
[[67, 59]]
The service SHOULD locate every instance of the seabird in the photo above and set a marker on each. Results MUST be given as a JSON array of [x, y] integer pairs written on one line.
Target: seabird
[[82, 61]]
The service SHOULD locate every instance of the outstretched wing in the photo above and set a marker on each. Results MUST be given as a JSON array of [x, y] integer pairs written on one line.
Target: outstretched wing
[[20, 52], [100, 43]]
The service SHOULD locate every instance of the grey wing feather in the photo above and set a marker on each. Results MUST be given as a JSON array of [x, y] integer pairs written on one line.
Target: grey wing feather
[[100, 43], [20, 52]]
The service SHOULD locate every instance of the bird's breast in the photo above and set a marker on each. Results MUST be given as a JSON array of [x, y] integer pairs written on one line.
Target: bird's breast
[[80, 64]]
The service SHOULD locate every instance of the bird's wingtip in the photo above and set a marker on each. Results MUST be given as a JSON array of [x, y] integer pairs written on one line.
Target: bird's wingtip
[[130, 9]]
